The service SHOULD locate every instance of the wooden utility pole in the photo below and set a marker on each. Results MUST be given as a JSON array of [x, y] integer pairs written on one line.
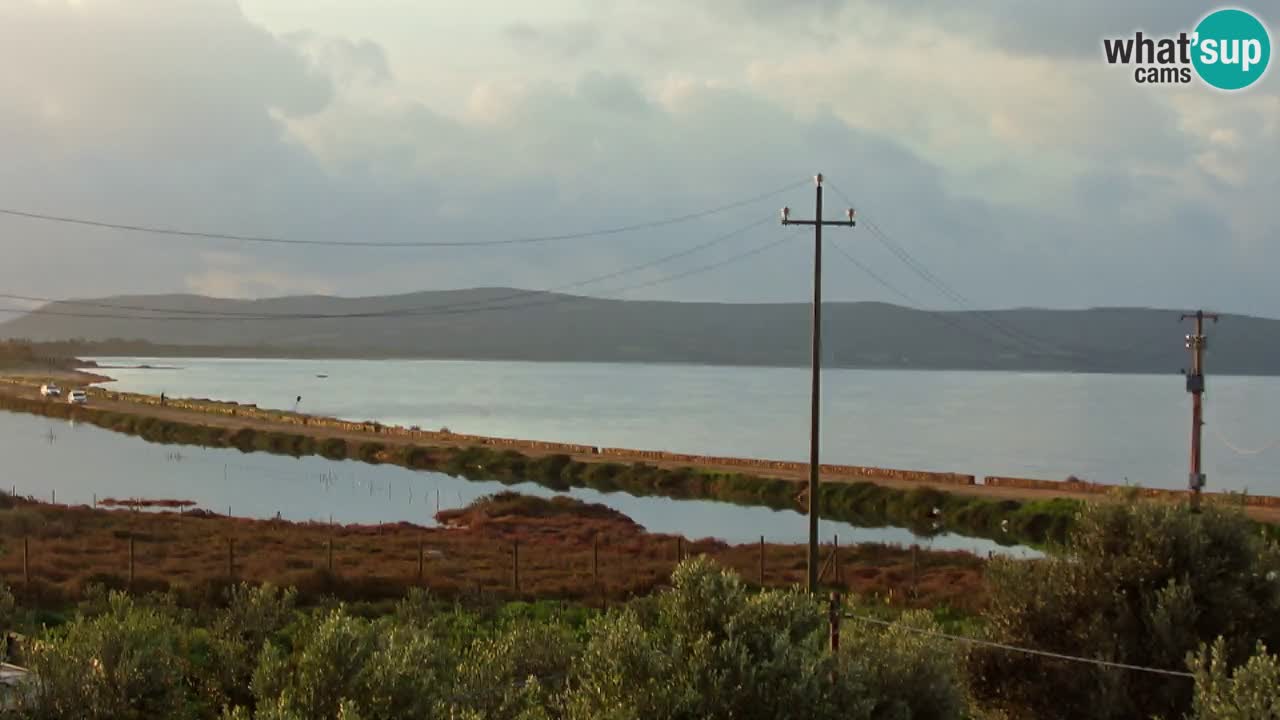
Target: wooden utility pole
[[833, 621], [515, 567], [762, 561], [816, 362], [1195, 385]]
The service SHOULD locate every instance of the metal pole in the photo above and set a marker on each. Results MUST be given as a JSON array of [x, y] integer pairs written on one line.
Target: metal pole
[[515, 566]]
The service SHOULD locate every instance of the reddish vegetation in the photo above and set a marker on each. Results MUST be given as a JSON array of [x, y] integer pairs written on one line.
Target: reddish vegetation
[[146, 503], [72, 547]]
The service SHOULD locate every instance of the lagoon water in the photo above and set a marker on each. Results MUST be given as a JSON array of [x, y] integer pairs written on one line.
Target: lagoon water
[[1107, 428], [76, 462]]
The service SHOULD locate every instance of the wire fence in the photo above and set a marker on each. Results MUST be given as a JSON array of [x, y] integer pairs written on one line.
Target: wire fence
[[1015, 649], [55, 562]]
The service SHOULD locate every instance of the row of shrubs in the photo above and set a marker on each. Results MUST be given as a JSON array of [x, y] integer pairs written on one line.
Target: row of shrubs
[[861, 503]]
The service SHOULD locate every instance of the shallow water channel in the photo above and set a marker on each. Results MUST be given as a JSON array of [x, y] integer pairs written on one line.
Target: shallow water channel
[[77, 463]]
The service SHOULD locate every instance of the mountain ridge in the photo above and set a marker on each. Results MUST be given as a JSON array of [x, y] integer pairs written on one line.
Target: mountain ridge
[[497, 323]]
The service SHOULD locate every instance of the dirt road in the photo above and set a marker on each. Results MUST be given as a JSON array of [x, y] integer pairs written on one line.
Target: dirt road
[[30, 389]]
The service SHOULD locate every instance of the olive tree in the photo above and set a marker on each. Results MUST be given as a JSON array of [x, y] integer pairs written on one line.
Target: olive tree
[[712, 649], [1246, 692], [1142, 583], [129, 662]]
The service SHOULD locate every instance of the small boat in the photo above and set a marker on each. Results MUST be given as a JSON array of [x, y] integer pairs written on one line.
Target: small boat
[[322, 376]]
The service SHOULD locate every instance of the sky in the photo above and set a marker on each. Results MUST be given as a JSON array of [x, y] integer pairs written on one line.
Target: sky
[[988, 139]]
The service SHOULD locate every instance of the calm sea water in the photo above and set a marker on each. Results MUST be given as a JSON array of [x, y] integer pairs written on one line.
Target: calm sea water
[[1108, 428], [75, 462]]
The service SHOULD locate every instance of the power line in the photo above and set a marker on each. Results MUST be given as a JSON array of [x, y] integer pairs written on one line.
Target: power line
[[555, 299], [1213, 425], [418, 310], [1027, 340], [1025, 651], [175, 232], [911, 301]]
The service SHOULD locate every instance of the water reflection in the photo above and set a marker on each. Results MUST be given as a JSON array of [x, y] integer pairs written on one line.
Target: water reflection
[[81, 463]]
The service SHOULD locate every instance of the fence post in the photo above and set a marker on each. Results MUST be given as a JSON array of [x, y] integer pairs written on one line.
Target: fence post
[[833, 618], [915, 569], [231, 559], [131, 561], [53, 497], [761, 561], [679, 548], [515, 566], [835, 560], [595, 561], [26, 565], [329, 554], [420, 560], [95, 500]]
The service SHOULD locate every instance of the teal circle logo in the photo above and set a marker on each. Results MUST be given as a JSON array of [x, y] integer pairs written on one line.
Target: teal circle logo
[[1232, 49]]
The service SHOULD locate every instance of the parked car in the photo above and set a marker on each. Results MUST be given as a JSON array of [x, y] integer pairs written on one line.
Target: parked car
[[77, 397], [50, 390]]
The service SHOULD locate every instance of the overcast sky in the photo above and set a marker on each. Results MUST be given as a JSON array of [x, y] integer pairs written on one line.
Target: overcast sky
[[988, 138]]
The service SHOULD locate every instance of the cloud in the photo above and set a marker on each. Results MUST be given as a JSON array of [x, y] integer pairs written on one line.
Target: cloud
[[562, 40], [236, 276], [347, 61], [1024, 173]]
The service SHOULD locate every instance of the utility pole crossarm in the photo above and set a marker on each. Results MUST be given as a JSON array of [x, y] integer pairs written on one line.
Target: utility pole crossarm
[[841, 223], [816, 359]]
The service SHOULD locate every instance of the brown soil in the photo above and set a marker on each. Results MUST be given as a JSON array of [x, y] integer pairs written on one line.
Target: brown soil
[[69, 548], [71, 378]]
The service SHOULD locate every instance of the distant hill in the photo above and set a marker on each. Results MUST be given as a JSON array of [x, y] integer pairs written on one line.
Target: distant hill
[[500, 323]]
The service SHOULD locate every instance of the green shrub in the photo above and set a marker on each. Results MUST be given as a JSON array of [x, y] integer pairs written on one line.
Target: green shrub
[[254, 614], [1250, 691], [1140, 583], [334, 448], [368, 451], [129, 662]]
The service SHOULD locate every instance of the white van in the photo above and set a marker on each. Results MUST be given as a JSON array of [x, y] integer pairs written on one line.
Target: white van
[[50, 390], [77, 397]]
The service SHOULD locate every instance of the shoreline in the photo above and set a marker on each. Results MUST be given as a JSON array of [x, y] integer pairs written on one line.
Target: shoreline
[[35, 377], [874, 496]]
